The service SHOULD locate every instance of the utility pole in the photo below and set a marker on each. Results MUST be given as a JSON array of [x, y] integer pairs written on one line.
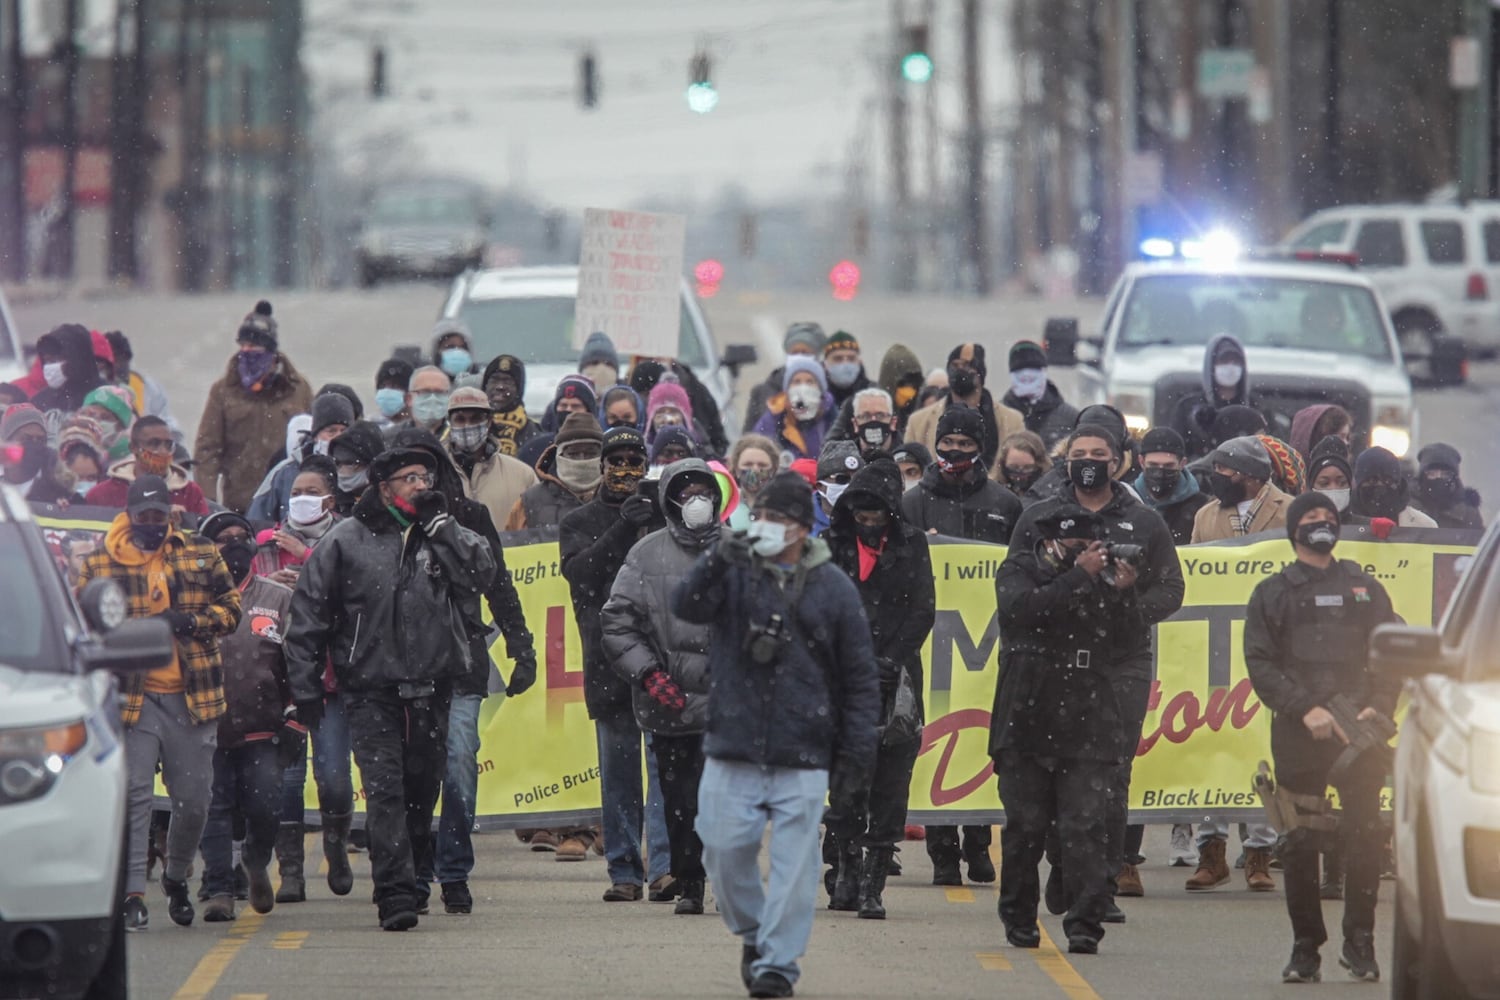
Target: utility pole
[[60, 244], [903, 277], [1474, 107], [976, 219], [13, 150], [130, 81], [1332, 124]]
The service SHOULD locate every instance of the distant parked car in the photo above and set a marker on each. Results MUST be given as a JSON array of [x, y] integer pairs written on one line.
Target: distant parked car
[[426, 229]]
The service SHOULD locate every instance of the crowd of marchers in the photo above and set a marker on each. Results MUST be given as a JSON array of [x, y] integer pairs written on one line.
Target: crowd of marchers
[[751, 615]]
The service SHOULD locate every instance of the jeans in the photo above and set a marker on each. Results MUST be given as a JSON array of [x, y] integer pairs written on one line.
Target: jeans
[[680, 759], [331, 770], [1257, 835], [166, 732], [735, 802], [455, 836], [247, 781], [402, 749], [624, 810]]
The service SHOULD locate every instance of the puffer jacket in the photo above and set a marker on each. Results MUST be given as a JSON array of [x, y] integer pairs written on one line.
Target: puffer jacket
[[256, 692], [75, 345], [544, 504], [384, 602], [978, 508], [640, 632], [241, 431]]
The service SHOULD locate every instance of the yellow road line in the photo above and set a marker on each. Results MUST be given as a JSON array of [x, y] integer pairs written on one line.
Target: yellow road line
[[1056, 965], [251, 996], [290, 940], [959, 895], [211, 967], [991, 962]]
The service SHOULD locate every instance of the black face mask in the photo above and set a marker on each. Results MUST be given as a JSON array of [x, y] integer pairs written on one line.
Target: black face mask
[[33, 458], [962, 381], [1438, 492], [1162, 483], [1225, 489], [238, 556], [1089, 474], [1022, 480], [1320, 536], [1379, 500], [148, 537], [954, 460], [874, 437], [873, 536]]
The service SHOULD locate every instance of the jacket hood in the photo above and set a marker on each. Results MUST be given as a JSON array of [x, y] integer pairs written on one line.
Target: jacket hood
[[615, 392], [122, 550], [363, 438], [1215, 345], [76, 346], [897, 363], [1303, 422], [447, 328], [1187, 486], [880, 479], [177, 476], [679, 469], [675, 474]]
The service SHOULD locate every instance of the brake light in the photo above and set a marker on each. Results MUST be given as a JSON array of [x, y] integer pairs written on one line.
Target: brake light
[[10, 454], [1326, 257], [1477, 289]]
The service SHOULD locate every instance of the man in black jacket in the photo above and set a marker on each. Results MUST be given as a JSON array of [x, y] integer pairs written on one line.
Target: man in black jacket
[[1057, 731], [594, 541], [792, 717], [1439, 493], [1036, 397], [1307, 633], [1153, 592], [1165, 485], [452, 856], [888, 561], [382, 596]]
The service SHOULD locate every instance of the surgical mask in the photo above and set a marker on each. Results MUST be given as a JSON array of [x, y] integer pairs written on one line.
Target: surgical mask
[[467, 439], [1088, 474], [1320, 536], [751, 480], [1340, 498], [767, 538], [83, 486], [843, 373], [804, 399], [239, 556], [1029, 383], [697, 512], [832, 491], [875, 435], [454, 361], [148, 537], [579, 474], [355, 482], [1162, 483], [1225, 489], [962, 381], [602, 374], [953, 460], [390, 402], [305, 509], [1228, 376], [54, 375], [430, 410]]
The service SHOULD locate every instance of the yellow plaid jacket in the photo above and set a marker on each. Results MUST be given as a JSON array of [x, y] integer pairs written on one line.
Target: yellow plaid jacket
[[200, 585]]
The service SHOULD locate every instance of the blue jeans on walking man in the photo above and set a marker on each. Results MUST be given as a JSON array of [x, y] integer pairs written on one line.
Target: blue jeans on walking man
[[625, 812], [247, 779]]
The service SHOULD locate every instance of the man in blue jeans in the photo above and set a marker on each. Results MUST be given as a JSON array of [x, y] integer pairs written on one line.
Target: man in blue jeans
[[792, 713]]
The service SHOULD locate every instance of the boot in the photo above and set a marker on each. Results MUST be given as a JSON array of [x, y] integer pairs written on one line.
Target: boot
[[846, 892], [289, 864], [1128, 882], [690, 903], [336, 852], [1258, 870], [872, 875], [1213, 870]]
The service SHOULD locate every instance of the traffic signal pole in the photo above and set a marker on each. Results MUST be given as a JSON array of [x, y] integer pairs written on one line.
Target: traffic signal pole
[[1474, 108]]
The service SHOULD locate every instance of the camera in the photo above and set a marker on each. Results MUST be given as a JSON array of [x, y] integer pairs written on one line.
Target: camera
[[763, 642], [1124, 552]]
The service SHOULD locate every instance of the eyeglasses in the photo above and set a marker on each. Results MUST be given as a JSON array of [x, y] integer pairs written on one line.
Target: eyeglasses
[[626, 461], [415, 479], [874, 418]]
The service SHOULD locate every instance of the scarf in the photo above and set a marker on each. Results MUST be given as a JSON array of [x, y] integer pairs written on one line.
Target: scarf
[[506, 427]]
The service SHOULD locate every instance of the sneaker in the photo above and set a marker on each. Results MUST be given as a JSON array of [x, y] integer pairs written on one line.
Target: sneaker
[[664, 889], [1112, 914], [399, 913], [623, 892], [1184, 854], [571, 849], [456, 898], [1358, 957], [219, 909], [179, 906], [1305, 966], [1128, 883], [136, 917], [770, 984]]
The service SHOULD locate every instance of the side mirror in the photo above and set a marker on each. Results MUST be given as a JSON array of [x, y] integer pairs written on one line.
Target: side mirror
[[1060, 341], [135, 645], [1404, 651], [737, 356]]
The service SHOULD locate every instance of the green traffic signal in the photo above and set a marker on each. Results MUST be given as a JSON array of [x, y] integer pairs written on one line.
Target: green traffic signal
[[916, 67]]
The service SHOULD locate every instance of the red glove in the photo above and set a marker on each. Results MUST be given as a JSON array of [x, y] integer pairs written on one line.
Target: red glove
[[665, 690], [1382, 526]]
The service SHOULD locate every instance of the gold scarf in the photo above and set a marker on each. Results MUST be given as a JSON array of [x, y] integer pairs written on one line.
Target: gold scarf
[[504, 427]]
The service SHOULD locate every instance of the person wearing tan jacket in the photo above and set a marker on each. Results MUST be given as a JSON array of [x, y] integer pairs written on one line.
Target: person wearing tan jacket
[[966, 372], [495, 480]]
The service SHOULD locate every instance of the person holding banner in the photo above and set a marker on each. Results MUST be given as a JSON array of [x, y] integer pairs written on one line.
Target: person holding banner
[[1307, 632]]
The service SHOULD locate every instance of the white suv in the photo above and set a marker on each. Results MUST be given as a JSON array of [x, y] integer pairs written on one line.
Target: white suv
[[1447, 791], [62, 770], [1437, 267]]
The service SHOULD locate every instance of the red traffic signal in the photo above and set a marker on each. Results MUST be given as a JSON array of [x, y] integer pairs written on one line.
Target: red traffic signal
[[708, 273], [844, 277]]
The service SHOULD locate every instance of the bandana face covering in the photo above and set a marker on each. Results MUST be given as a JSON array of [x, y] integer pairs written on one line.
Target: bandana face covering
[[253, 367]]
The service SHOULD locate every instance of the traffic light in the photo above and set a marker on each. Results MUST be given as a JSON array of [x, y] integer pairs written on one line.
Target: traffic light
[[377, 73], [844, 277], [708, 274], [588, 81], [701, 95], [916, 64]]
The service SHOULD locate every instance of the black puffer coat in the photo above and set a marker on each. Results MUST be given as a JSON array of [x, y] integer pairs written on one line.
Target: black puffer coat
[[977, 508]]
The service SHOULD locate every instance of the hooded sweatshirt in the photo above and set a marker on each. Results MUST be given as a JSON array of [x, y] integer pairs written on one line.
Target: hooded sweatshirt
[[75, 345], [1303, 422], [1194, 419], [115, 490]]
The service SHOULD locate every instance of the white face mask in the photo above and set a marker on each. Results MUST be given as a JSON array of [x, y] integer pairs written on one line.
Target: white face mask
[[832, 491], [1228, 376], [1029, 383], [579, 474], [305, 509], [804, 399], [1340, 498], [697, 512], [910, 484], [767, 538], [320, 447], [54, 375]]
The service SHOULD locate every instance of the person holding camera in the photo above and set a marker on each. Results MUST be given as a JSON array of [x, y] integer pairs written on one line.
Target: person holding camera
[[1144, 586], [381, 595], [1307, 634], [792, 714]]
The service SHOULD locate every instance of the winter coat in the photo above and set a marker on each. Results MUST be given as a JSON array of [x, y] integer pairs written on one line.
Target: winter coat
[[1461, 513], [818, 701], [241, 430], [976, 508], [1000, 422], [496, 480], [115, 491], [899, 596], [593, 542], [1179, 509], [503, 600], [640, 632], [761, 394], [1049, 417], [75, 345], [1159, 585], [796, 438], [1194, 418], [1212, 524], [256, 692], [1303, 422], [846, 395], [900, 364], [383, 602], [543, 504]]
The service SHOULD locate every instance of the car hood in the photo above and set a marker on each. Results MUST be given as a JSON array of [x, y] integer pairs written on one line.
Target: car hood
[[33, 698], [1143, 366]]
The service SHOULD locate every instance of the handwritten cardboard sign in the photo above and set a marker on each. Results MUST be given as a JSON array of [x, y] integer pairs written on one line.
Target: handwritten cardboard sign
[[629, 281]]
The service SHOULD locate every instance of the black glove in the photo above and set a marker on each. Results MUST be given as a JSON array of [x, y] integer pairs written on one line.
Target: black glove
[[180, 621], [431, 507], [522, 675], [734, 547], [848, 786], [890, 672], [310, 714], [639, 510], [291, 744]]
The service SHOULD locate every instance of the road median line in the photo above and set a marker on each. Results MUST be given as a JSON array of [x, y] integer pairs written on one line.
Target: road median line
[[1056, 965], [211, 967]]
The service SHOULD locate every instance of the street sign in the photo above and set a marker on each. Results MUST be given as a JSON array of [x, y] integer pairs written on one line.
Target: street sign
[[1225, 73], [1463, 62], [629, 281]]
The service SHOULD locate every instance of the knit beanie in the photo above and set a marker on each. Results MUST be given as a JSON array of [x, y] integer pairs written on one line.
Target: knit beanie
[[789, 495], [579, 427], [964, 420], [116, 399], [799, 363], [1027, 354], [258, 328], [1303, 503], [578, 387]]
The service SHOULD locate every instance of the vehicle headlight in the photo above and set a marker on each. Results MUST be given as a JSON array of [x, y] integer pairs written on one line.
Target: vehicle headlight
[[1392, 430], [1135, 407], [31, 759], [1484, 762]]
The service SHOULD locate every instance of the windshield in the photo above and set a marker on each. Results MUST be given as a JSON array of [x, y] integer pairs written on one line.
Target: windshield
[[540, 329], [1303, 314], [28, 633], [414, 208]]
